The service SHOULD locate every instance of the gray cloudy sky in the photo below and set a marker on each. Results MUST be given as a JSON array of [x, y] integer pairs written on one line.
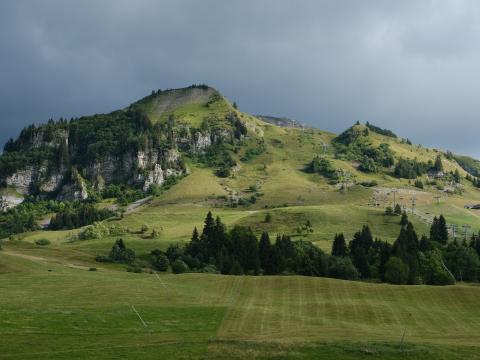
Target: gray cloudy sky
[[411, 66]]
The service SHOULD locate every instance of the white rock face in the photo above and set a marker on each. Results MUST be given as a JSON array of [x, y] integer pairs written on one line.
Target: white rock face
[[76, 191], [52, 183], [154, 177], [173, 155], [9, 202], [22, 179], [104, 169], [201, 142]]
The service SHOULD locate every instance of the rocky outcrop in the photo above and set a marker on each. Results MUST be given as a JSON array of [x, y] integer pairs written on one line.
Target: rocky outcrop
[[9, 201], [201, 142], [74, 190], [22, 180]]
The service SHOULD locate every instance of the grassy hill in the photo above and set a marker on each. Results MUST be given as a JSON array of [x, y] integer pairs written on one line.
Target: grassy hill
[[53, 307]]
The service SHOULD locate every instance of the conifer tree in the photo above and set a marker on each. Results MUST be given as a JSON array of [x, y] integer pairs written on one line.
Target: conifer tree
[[438, 164], [265, 252], [442, 230], [397, 210], [404, 219], [339, 247]]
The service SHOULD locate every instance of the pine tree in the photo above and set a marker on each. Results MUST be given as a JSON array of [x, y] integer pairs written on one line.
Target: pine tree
[[438, 164], [194, 248], [397, 210], [425, 244], [442, 230], [359, 258], [404, 219], [339, 247], [265, 252], [434, 235]]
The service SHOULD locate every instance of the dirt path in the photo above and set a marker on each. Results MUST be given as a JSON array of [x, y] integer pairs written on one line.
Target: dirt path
[[135, 205]]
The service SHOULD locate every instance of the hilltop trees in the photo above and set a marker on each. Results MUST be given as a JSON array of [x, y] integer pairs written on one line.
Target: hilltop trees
[[438, 166]]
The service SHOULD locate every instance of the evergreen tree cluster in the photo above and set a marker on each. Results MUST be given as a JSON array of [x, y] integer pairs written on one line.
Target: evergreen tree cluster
[[78, 215], [238, 251], [411, 260], [381, 131], [410, 169], [474, 180], [354, 144]]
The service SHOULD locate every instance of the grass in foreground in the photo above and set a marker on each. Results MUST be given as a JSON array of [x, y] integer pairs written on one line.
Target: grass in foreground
[[74, 313]]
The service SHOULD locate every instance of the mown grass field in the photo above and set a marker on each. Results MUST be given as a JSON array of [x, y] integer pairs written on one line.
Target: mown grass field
[[72, 313]]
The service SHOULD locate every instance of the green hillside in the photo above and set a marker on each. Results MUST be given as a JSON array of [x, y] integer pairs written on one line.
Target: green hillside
[[307, 184]]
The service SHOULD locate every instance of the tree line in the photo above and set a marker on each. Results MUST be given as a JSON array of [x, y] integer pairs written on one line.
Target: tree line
[[77, 215]]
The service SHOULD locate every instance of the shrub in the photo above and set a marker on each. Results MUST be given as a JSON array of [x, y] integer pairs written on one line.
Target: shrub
[[179, 267], [268, 218], [42, 242], [159, 261], [396, 271], [210, 269], [96, 231], [369, 183], [389, 211], [121, 254], [342, 268], [419, 184]]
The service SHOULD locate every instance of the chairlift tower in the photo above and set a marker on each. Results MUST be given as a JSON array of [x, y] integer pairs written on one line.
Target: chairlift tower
[[414, 203], [466, 227], [453, 227], [395, 191]]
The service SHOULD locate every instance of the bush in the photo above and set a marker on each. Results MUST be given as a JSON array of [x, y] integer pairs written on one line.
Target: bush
[[419, 184], [96, 231], [42, 242], [369, 183], [342, 268], [396, 271], [210, 269], [135, 268], [179, 267], [389, 211], [121, 254], [223, 172], [92, 269], [159, 261]]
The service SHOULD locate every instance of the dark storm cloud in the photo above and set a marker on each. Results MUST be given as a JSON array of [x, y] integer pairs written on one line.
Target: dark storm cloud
[[412, 66]]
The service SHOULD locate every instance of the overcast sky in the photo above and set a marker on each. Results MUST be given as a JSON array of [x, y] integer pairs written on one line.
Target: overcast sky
[[410, 66]]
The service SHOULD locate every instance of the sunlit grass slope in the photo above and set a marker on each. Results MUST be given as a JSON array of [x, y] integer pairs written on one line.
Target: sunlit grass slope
[[49, 310]]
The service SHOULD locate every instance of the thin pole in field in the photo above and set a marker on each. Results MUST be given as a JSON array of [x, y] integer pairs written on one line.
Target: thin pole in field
[[403, 339]]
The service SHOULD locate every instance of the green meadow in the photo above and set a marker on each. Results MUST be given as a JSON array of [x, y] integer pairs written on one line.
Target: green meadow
[[55, 308]]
